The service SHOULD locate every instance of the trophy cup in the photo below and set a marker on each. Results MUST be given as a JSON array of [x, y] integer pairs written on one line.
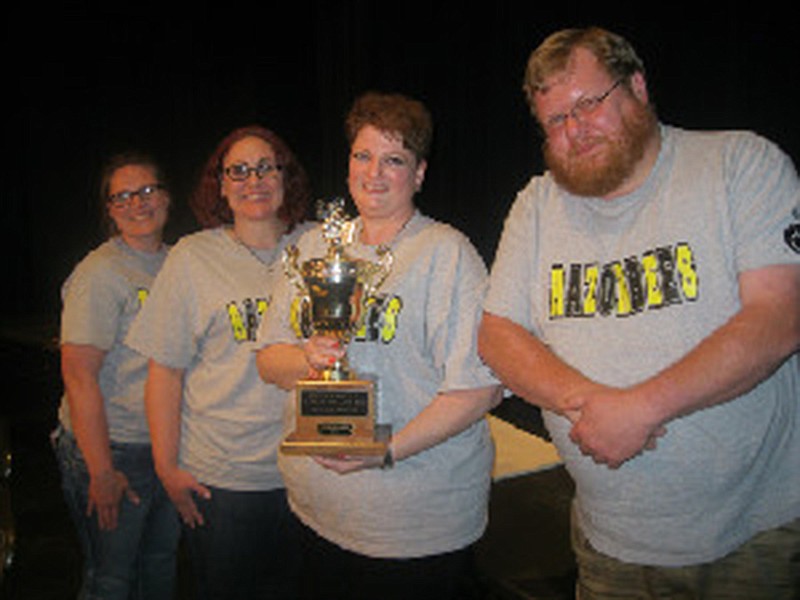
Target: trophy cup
[[335, 414]]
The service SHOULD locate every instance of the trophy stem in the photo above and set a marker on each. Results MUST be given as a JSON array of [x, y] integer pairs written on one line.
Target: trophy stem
[[340, 371]]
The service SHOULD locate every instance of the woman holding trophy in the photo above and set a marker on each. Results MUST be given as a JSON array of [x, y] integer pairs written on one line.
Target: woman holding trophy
[[215, 427], [403, 521]]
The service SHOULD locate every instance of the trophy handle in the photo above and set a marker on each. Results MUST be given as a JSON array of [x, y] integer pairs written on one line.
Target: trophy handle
[[376, 273], [371, 276], [290, 257]]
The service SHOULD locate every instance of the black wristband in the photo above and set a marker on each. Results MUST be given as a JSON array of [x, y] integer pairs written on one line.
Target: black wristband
[[388, 459]]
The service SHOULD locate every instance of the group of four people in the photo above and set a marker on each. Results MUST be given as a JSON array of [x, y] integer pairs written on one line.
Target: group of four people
[[645, 294]]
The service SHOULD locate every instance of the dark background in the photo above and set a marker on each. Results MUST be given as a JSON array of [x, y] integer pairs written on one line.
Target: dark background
[[82, 88]]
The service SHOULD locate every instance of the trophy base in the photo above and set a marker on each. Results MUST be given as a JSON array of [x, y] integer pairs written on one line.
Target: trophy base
[[336, 417], [298, 444]]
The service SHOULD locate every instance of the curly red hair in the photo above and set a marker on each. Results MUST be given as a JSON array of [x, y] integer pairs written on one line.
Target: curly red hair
[[211, 208]]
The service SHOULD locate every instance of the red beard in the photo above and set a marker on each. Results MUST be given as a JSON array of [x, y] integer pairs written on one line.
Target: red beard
[[601, 173]]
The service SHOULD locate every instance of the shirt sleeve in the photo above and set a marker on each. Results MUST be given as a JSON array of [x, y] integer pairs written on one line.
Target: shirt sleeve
[[765, 196], [92, 305], [509, 295], [454, 314], [164, 330], [276, 326]]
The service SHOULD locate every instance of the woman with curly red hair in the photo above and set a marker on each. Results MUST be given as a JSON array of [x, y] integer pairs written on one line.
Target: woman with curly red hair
[[215, 427]]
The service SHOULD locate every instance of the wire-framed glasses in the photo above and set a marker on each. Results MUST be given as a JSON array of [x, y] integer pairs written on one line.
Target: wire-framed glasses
[[146, 193], [582, 109], [241, 171]]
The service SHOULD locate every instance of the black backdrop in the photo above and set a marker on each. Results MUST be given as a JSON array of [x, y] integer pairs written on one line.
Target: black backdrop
[[82, 88]]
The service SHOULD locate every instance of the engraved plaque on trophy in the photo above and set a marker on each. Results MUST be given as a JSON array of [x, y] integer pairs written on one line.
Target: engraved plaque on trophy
[[335, 414]]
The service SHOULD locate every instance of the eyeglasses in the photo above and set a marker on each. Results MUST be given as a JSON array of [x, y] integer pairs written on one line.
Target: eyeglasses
[[145, 193], [241, 171], [583, 108]]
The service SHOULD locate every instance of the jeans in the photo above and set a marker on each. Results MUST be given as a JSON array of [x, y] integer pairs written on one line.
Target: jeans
[[137, 560], [247, 547]]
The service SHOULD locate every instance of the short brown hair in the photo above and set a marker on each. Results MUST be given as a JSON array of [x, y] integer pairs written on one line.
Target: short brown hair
[[613, 51], [394, 114], [115, 163]]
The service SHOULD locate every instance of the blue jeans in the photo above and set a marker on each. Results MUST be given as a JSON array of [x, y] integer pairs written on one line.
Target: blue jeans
[[247, 547], [137, 560]]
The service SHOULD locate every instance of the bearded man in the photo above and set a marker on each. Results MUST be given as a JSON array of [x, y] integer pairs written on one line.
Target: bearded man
[[646, 295]]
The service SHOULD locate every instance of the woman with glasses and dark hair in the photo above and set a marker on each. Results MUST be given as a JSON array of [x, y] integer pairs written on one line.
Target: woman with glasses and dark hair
[[215, 427], [126, 524]]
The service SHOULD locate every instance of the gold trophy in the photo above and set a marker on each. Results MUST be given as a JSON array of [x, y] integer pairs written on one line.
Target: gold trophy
[[335, 414]]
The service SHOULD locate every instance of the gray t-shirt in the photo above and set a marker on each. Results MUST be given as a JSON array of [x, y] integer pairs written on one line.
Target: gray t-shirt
[[101, 298], [202, 317], [420, 340], [622, 289]]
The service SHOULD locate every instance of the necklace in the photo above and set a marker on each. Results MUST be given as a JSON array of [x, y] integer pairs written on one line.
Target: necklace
[[394, 238], [265, 256]]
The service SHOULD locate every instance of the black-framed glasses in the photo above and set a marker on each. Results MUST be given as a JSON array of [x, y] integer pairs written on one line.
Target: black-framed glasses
[[241, 171], [583, 108], [145, 193]]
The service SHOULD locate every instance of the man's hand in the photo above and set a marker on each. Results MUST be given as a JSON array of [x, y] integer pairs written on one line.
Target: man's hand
[[614, 425]]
